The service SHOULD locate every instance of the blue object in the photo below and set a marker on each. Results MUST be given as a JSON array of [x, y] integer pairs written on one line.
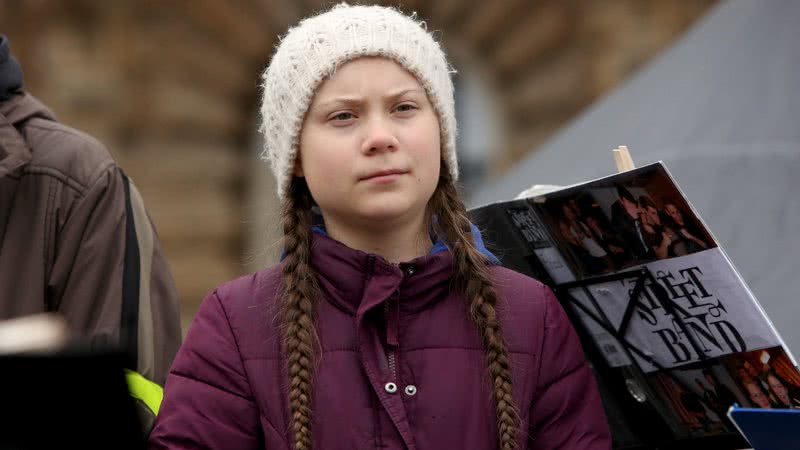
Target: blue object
[[768, 429]]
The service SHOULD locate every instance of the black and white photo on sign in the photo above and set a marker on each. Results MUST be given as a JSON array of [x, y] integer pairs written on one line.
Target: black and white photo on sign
[[622, 221], [767, 376], [699, 396]]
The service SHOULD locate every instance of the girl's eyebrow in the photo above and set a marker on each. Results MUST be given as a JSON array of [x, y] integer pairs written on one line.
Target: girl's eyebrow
[[356, 100], [338, 101], [403, 92]]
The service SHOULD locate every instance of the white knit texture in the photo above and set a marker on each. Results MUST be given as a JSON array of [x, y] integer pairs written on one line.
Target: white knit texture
[[311, 52]]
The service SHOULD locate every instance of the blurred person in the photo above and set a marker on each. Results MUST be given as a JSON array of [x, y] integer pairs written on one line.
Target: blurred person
[[655, 236], [75, 240], [754, 371], [686, 229], [598, 260], [573, 205], [667, 243], [743, 375], [389, 324], [786, 395], [757, 395], [758, 375], [725, 397], [585, 261], [718, 397], [607, 240], [708, 394], [694, 405], [626, 220]]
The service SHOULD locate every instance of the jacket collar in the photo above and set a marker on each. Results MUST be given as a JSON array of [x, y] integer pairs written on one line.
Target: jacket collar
[[14, 151], [355, 281], [439, 245]]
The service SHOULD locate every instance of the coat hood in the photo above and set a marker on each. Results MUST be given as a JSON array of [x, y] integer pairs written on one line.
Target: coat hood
[[14, 151]]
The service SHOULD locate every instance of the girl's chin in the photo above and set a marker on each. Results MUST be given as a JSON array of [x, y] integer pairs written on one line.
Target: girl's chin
[[372, 211], [387, 215]]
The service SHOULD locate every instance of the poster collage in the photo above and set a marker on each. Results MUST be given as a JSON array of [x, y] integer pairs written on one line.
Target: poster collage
[[693, 327]]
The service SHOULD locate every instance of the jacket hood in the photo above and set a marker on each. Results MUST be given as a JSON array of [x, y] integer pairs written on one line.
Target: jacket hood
[[22, 106], [14, 151], [10, 71]]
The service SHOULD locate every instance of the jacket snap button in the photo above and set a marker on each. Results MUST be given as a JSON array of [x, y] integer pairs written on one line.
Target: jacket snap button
[[390, 387], [411, 390], [410, 270]]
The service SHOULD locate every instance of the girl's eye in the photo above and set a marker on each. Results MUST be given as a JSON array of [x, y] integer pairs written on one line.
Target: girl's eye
[[342, 116], [405, 107]]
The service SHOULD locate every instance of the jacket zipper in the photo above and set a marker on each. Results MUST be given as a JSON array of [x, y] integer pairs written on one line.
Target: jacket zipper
[[390, 352], [392, 368]]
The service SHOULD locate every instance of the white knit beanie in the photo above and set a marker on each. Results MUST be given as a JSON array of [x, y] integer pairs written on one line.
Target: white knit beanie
[[311, 52]]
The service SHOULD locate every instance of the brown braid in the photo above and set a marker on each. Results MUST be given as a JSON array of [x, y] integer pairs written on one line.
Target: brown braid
[[473, 278], [298, 309]]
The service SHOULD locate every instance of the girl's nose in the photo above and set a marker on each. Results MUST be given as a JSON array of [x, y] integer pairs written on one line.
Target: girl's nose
[[380, 137]]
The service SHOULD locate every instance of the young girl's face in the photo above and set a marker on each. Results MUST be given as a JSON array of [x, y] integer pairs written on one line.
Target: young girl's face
[[370, 146]]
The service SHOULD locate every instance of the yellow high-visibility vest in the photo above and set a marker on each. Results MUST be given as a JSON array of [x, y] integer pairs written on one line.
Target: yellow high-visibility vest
[[145, 390]]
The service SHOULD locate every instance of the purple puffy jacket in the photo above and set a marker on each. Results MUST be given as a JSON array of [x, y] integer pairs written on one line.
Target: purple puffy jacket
[[380, 326]]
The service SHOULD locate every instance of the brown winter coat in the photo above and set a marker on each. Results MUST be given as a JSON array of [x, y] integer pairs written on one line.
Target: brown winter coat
[[75, 239]]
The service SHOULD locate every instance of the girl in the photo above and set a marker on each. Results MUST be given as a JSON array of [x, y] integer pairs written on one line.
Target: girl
[[386, 325], [786, 395]]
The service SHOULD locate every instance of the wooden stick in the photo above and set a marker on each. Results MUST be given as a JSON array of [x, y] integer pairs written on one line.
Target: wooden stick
[[623, 159]]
